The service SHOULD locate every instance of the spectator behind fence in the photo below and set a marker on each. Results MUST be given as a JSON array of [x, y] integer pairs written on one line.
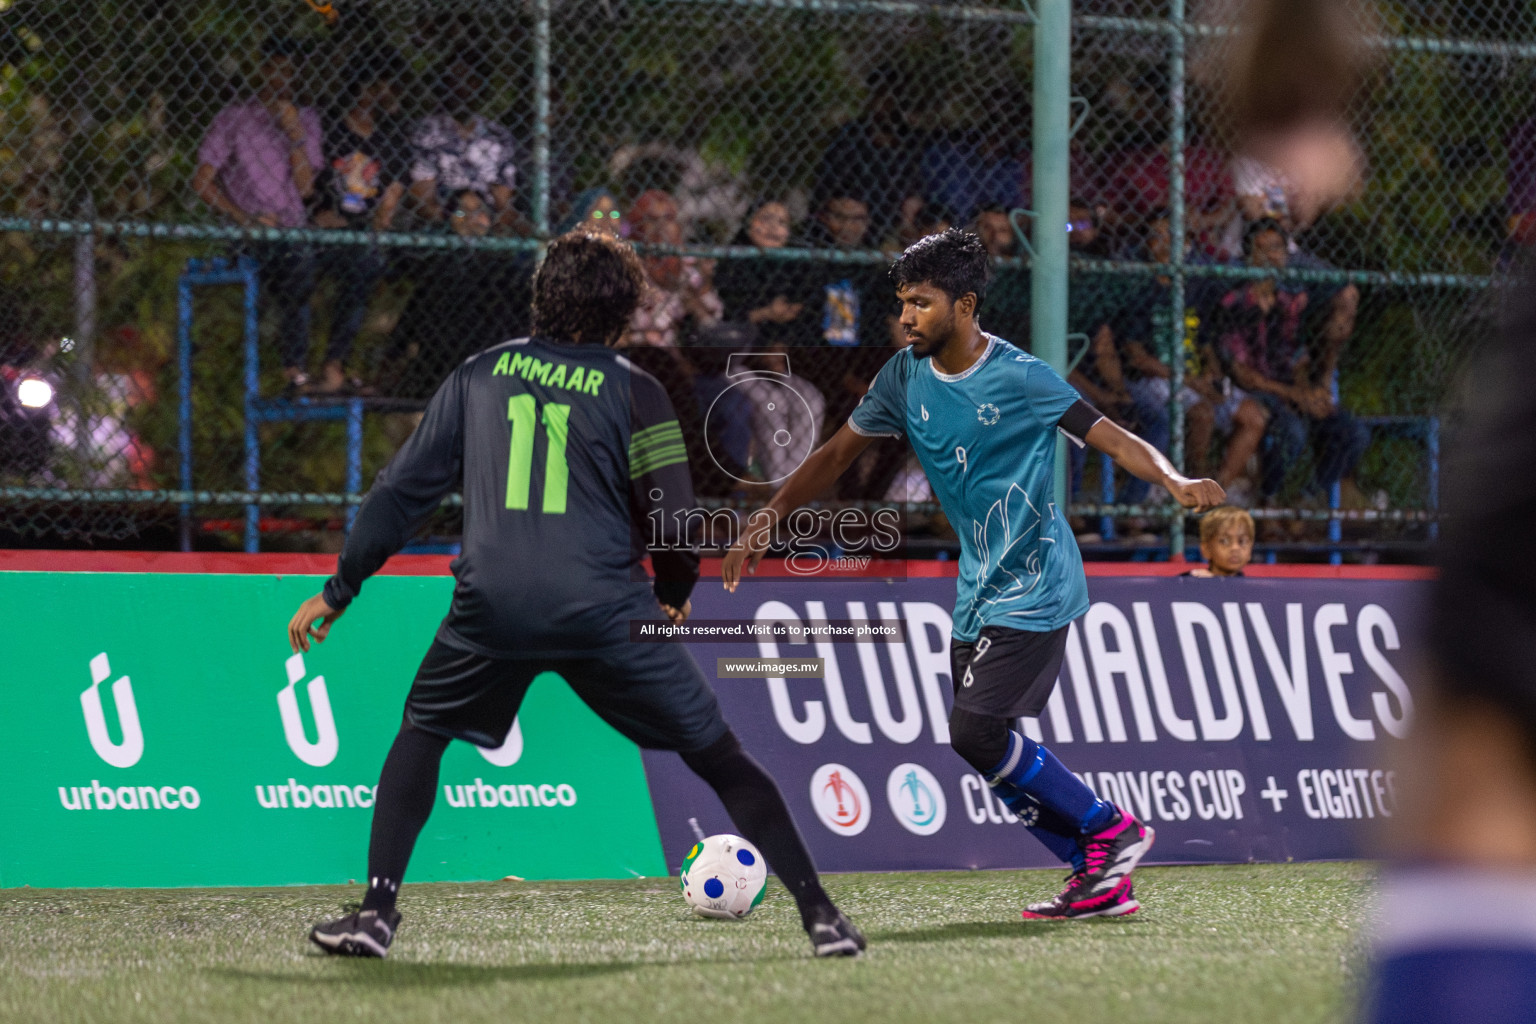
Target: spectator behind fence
[[1139, 186], [1006, 310], [680, 289], [967, 170], [851, 302], [768, 293], [465, 299], [1261, 192], [1092, 299], [919, 219], [1226, 543], [596, 209], [457, 149], [1211, 404], [849, 294], [1520, 181], [257, 165], [367, 163], [876, 157], [1259, 330], [1266, 192]]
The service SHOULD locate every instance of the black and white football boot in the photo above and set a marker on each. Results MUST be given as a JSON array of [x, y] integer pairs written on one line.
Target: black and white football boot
[[363, 933], [832, 934]]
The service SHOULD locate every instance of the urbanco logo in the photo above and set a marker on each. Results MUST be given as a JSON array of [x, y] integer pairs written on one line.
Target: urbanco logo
[[323, 751], [119, 755], [506, 755], [916, 799], [840, 799]]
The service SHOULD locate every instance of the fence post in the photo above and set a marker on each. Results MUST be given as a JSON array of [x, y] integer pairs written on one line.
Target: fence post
[[85, 313], [1052, 129], [184, 397], [541, 117], [1178, 231]]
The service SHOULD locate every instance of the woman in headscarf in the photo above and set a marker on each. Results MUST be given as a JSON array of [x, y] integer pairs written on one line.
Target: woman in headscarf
[[596, 208]]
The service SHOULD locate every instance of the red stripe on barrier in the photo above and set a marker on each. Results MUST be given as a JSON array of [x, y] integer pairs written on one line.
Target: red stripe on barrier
[[225, 562], [217, 562]]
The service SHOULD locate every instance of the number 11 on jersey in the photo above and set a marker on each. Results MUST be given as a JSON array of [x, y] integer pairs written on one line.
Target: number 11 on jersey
[[524, 415]]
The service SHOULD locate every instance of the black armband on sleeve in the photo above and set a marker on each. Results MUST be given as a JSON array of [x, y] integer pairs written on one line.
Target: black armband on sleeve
[[1079, 419]]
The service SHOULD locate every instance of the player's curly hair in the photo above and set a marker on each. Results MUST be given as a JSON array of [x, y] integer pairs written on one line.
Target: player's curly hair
[[587, 288], [953, 261]]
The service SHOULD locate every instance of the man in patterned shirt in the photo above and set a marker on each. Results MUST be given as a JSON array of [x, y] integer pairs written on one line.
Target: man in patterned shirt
[[458, 150]]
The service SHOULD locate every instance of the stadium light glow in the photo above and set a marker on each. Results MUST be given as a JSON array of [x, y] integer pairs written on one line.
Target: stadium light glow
[[34, 392]]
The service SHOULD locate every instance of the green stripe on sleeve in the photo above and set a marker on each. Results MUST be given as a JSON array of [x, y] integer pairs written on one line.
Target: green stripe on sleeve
[[651, 438], [652, 435], [658, 459]]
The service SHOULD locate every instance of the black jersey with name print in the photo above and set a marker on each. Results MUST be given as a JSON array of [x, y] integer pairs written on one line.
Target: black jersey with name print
[[572, 465]]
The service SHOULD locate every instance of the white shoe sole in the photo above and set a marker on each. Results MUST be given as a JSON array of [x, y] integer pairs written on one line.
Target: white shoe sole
[[842, 947], [350, 944], [1118, 910]]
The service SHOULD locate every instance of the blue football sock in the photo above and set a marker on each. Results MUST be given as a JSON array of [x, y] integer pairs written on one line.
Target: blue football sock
[[1034, 770], [1056, 833]]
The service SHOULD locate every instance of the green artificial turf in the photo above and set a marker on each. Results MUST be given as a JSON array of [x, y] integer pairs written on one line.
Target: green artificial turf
[[1251, 944]]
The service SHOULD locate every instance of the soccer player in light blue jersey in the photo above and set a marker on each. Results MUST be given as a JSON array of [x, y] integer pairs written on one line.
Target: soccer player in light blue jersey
[[982, 416]]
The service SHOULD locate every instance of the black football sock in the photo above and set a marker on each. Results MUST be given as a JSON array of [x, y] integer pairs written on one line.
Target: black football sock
[[757, 808], [407, 789]]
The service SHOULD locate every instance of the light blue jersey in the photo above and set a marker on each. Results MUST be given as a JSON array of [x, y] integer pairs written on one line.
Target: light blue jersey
[[987, 440]]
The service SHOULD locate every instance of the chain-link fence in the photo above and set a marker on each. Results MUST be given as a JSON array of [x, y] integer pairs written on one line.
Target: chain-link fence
[[245, 241]]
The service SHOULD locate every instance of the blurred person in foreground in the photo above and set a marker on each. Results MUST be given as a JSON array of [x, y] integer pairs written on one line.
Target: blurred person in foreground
[[1455, 931], [1455, 928], [550, 577]]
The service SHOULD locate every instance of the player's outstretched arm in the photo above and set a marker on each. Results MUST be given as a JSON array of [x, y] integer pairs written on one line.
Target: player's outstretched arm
[[815, 475], [425, 469], [1145, 462]]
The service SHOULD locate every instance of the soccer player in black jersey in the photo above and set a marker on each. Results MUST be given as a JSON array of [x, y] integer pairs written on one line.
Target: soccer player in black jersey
[[565, 453]]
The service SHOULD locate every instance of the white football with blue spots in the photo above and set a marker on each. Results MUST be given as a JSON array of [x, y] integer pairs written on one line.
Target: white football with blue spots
[[724, 876]]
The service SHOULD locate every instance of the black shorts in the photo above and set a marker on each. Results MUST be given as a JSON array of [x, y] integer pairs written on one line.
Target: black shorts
[[1008, 673], [654, 694]]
